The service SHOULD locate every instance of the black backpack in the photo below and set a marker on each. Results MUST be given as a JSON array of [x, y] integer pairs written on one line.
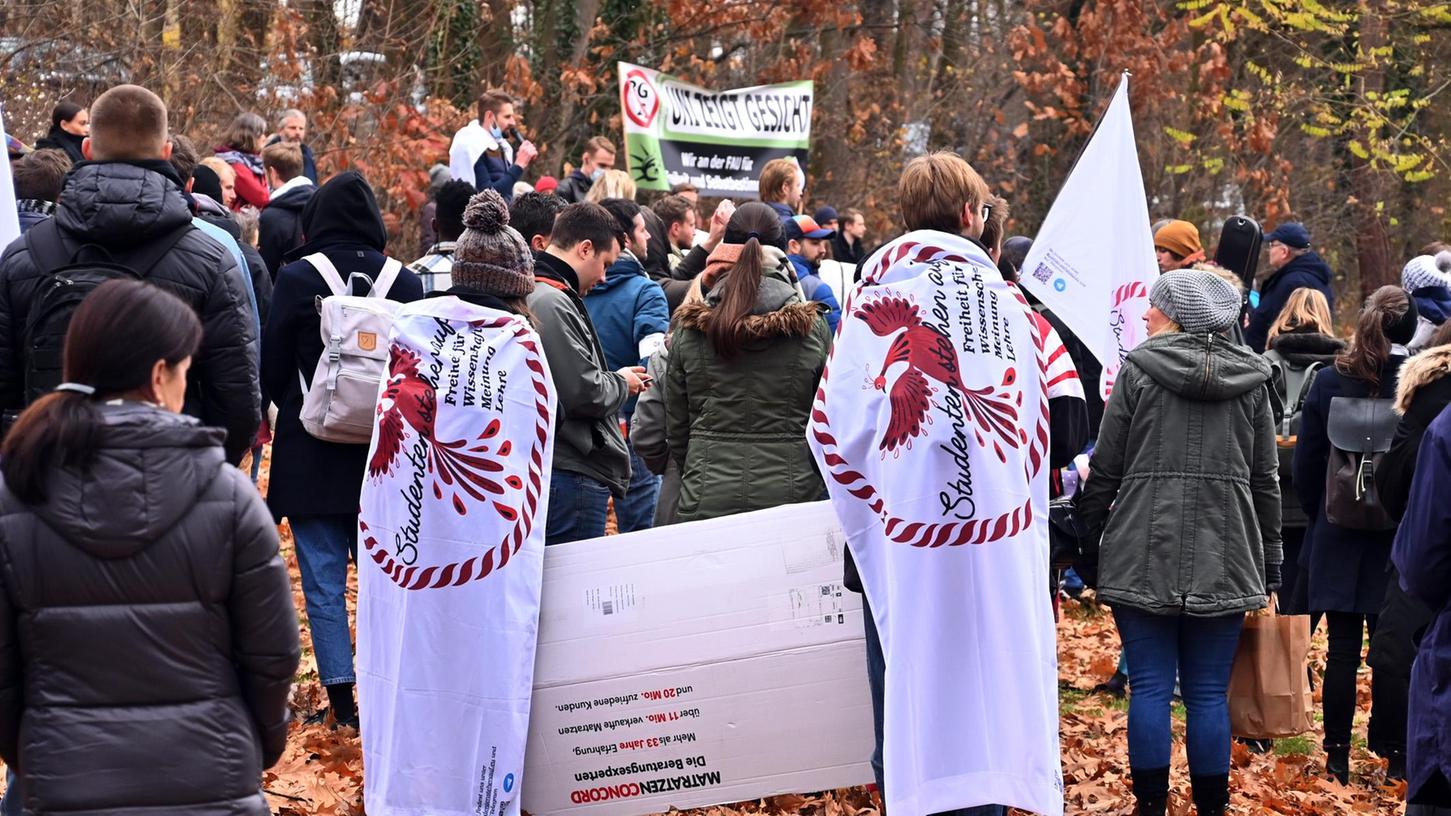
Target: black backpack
[[66, 280], [1360, 431]]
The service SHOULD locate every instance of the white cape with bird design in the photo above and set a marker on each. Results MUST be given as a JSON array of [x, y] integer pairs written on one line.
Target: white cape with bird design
[[931, 428], [450, 559]]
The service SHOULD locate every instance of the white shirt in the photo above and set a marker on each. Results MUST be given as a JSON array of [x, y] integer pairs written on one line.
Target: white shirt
[[471, 142]]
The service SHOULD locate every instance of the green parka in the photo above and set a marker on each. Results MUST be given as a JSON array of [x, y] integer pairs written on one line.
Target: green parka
[[1186, 459], [737, 428]]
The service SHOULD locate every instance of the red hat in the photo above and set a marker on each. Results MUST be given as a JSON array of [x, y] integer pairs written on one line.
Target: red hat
[[546, 184]]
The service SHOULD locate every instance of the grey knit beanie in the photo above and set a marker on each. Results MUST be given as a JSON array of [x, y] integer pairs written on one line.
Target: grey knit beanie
[[490, 255], [1200, 302], [1425, 270]]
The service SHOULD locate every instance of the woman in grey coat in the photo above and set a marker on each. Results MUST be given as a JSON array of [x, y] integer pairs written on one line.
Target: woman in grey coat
[[147, 635], [1186, 459]]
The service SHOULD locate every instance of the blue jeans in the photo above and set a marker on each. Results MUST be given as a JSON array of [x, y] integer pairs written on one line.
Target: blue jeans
[[324, 545], [637, 511], [1201, 652], [578, 507], [877, 681]]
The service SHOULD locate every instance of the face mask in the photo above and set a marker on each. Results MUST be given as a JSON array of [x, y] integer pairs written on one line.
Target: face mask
[[596, 174], [496, 132]]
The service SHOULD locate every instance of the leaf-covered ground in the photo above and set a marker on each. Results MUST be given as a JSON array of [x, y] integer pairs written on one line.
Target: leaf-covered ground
[[321, 772]]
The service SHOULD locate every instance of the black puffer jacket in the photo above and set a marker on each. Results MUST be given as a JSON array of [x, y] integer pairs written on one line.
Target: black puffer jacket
[[147, 634], [120, 206]]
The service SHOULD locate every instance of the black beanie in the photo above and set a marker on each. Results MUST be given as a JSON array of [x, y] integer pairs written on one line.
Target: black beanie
[[206, 181], [1399, 329]]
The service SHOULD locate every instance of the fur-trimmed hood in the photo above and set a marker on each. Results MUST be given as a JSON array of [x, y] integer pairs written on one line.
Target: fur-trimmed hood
[[1300, 349], [1419, 372], [791, 320]]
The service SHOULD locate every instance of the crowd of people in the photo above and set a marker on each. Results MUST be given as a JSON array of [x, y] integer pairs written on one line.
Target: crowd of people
[[145, 616]]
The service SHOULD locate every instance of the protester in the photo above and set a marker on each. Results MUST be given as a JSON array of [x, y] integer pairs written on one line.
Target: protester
[[492, 265], [849, 246], [104, 582], [1301, 342], [220, 186], [1177, 245], [1293, 266], [532, 216], [1346, 567], [480, 153], [292, 129], [315, 484], [744, 364], [1422, 547], [782, 186], [806, 243], [241, 148], [674, 238], [70, 124], [1193, 539], [127, 201], [648, 440], [599, 157], [612, 184], [281, 221], [38, 180], [1423, 391], [546, 184], [1427, 279], [436, 265], [631, 318], [900, 483], [437, 176], [678, 216], [591, 462], [687, 191], [828, 219]]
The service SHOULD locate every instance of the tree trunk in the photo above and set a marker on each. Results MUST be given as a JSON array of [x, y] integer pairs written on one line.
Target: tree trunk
[[1372, 233]]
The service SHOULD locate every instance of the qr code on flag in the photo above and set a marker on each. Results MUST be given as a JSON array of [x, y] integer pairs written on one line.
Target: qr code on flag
[[1043, 273]]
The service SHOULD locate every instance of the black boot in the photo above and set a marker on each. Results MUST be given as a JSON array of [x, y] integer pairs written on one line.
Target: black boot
[[1211, 794], [1151, 790], [1395, 766], [1337, 762]]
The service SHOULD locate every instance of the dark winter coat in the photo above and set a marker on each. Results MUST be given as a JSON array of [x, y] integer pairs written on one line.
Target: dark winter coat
[[848, 253], [259, 274], [58, 139], [121, 206], [574, 187], [737, 429], [147, 634], [587, 436], [310, 476], [1346, 568], [1306, 271], [1422, 556], [279, 227], [1433, 308], [1186, 461], [647, 437], [31, 212], [495, 172]]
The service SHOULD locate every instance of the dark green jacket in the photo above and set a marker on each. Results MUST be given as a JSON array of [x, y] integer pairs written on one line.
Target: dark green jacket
[[1186, 459], [737, 428]]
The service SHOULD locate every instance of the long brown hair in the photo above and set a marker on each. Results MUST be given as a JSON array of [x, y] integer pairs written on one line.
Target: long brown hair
[[752, 225], [114, 339], [1370, 348]]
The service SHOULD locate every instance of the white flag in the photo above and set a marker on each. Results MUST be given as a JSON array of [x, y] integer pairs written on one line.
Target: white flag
[[9, 220], [451, 522], [1092, 262]]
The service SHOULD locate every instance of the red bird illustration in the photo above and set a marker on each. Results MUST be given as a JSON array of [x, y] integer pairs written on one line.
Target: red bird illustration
[[408, 398], [928, 353]]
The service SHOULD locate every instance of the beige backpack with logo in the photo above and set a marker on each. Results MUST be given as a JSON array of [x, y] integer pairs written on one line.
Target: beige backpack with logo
[[340, 404]]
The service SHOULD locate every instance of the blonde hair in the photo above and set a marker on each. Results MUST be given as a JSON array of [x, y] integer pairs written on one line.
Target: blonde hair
[[613, 184], [1305, 308], [219, 166], [935, 188]]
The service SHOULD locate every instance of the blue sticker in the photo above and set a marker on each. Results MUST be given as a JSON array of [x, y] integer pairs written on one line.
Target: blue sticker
[[508, 782], [1060, 284]]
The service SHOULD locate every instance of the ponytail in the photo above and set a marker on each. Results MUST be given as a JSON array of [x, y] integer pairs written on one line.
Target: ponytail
[[59, 429], [1380, 324], [738, 298]]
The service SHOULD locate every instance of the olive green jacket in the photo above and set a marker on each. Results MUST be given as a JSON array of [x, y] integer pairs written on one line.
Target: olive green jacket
[[1186, 459]]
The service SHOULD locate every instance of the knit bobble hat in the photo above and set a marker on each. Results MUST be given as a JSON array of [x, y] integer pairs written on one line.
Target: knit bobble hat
[[1424, 270], [490, 255], [1200, 302]]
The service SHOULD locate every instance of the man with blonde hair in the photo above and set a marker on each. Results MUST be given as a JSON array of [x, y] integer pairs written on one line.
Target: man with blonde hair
[[127, 200], [946, 486], [782, 186], [599, 157]]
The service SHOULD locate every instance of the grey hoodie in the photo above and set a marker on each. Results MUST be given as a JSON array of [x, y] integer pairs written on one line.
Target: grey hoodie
[[1186, 458], [147, 634]]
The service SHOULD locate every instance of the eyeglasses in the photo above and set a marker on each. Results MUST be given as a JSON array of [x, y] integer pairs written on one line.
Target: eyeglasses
[[987, 211]]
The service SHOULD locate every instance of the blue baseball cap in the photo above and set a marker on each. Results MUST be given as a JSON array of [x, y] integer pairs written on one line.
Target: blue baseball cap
[[804, 226], [1292, 234]]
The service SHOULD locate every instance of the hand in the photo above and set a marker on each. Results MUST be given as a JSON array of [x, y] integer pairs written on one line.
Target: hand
[[635, 378], [718, 221], [526, 154]]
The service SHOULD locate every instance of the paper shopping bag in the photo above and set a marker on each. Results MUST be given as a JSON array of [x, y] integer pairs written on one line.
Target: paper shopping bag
[[1269, 687]]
